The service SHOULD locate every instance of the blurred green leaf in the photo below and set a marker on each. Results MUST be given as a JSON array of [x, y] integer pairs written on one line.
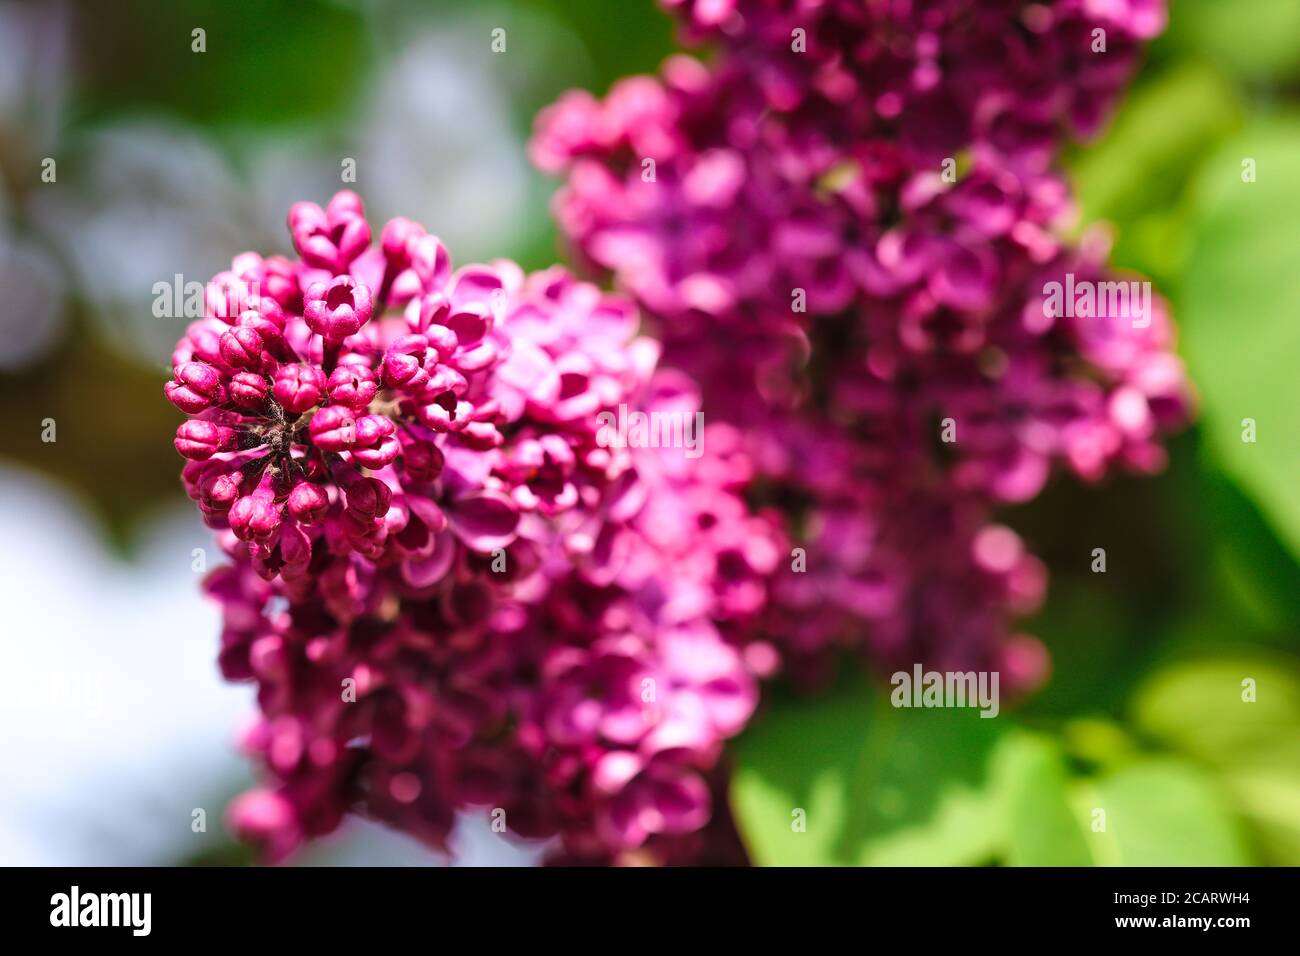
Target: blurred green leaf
[[1043, 829], [1161, 812], [1254, 572], [1267, 795], [1197, 707], [1238, 318], [879, 785], [1154, 142], [1254, 38], [1098, 743], [264, 62], [875, 785], [1135, 175]]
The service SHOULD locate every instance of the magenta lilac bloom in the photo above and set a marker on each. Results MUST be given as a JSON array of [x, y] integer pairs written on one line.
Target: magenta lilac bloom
[[850, 226], [847, 224], [449, 591]]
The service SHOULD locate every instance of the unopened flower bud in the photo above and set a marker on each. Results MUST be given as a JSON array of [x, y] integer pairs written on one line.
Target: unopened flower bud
[[333, 428], [368, 497], [337, 309], [298, 387], [241, 347], [219, 491], [248, 390], [377, 443], [253, 518], [197, 387], [199, 440], [308, 502], [353, 385], [333, 237], [404, 363], [422, 459]]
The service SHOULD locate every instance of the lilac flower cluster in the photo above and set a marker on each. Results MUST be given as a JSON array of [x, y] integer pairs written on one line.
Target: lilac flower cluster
[[448, 589], [847, 224]]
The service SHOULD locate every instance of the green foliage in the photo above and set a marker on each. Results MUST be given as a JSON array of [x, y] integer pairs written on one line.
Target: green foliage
[[1201, 708], [876, 785], [1255, 39], [1237, 311], [1164, 812], [1240, 717], [1154, 144], [265, 61], [1045, 829]]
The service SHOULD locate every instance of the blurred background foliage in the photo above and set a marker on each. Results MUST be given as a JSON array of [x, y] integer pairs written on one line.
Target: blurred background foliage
[[171, 161]]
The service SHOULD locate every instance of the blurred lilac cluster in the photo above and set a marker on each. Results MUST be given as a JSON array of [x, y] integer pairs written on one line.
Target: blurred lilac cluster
[[849, 225], [450, 589]]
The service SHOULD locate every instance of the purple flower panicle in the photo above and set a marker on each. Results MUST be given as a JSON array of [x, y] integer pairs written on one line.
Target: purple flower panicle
[[448, 589], [847, 225]]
